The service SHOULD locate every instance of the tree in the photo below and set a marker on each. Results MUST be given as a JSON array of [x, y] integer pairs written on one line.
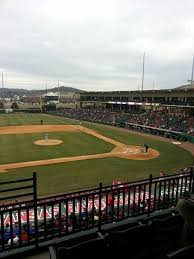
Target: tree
[[14, 105]]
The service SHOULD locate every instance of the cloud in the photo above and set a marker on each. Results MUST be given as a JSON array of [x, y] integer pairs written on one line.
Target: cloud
[[96, 45]]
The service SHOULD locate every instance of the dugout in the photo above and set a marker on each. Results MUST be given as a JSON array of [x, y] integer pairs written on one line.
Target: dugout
[[158, 131]]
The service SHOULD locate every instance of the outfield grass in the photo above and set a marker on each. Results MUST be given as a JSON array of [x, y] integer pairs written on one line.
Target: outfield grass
[[82, 174], [32, 119]]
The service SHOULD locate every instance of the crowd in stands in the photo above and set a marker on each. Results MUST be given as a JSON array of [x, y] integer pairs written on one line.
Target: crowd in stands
[[15, 233], [94, 115], [162, 119], [75, 221], [18, 234]]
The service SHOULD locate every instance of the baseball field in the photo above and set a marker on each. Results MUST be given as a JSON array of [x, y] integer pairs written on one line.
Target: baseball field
[[68, 156]]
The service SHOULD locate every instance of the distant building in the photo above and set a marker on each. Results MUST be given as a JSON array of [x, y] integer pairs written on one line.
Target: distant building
[[182, 96], [51, 97], [62, 97]]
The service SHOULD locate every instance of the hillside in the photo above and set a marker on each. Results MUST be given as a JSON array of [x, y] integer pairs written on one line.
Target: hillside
[[10, 92]]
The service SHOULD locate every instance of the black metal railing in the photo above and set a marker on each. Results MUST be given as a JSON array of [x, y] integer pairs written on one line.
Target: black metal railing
[[17, 189], [38, 220]]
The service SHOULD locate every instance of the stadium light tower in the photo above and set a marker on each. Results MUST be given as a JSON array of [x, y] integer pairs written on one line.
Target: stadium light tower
[[153, 86], [191, 80], [142, 82], [58, 92], [40, 100], [45, 98], [2, 82], [192, 72]]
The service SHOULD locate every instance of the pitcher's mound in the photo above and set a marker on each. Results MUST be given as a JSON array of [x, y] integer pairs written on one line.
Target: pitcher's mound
[[49, 142]]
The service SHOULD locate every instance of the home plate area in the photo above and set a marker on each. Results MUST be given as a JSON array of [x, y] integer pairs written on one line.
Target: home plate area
[[121, 150], [134, 151]]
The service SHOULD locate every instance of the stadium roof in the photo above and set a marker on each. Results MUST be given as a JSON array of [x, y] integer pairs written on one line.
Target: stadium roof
[[186, 87], [51, 94]]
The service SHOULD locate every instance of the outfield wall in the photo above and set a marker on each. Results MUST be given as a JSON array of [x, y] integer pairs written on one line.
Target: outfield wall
[[29, 110]]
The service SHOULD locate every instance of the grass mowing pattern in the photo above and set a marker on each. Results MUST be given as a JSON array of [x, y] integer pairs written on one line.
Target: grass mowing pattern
[[82, 174], [74, 144], [32, 119]]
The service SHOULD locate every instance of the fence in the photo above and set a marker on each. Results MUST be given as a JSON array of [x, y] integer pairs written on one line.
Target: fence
[[17, 185], [38, 220], [157, 131], [22, 110]]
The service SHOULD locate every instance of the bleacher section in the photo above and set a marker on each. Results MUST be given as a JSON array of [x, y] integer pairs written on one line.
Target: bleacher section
[[164, 122], [138, 239]]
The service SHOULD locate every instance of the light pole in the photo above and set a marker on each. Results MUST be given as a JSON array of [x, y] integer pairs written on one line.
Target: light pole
[[192, 72], [2, 88], [58, 92], [191, 81], [142, 82]]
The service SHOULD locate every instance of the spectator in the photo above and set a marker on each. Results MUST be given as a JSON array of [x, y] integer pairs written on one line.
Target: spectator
[[7, 228], [84, 213], [185, 206], [24, 236], [93, 214], [161, 183], [110, 204], [15, 240], [162, 174]]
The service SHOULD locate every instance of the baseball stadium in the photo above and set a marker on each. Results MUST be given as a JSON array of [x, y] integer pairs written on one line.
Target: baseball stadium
[[96, 173], [96, 129]]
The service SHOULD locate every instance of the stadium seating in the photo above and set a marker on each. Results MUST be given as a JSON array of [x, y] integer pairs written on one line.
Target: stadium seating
[[186, 252], [131, 243], [161, 119], [167, 233], [149, 240], [87, 249]]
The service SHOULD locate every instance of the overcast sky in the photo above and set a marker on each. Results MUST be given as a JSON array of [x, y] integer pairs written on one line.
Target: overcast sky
[[96, 44]]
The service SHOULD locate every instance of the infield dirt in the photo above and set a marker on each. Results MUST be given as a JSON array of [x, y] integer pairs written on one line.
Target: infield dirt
[[121, 150]]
